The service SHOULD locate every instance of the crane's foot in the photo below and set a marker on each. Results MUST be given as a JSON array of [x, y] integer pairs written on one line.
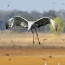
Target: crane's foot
[[39, 43], [33, 42]]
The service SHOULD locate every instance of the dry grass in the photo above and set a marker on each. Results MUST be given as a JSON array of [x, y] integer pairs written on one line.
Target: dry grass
[[25, 40]]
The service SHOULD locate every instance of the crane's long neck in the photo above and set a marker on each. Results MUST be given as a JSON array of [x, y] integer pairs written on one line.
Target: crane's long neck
[[30, 23]]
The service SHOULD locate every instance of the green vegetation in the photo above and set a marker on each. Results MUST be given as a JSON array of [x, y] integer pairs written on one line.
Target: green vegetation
[[60, 24]]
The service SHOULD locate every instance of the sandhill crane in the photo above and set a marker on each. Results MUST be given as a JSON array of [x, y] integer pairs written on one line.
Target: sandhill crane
[[30, 25]]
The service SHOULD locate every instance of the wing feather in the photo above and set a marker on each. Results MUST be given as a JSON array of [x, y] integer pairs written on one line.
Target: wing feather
[[42, 21], [20, 21]]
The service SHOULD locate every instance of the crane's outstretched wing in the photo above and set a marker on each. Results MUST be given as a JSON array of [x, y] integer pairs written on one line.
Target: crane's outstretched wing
[[17, 21], [44, 21], [21, 21]]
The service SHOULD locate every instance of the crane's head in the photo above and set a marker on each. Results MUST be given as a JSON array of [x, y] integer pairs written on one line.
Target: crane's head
[[54, 25], [9, 23]]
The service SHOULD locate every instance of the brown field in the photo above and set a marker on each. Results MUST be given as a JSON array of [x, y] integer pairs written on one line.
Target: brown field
[[25, 40], [17, 49]]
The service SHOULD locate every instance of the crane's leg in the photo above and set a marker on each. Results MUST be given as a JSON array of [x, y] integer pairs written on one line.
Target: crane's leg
[[33, 36], [37, 36]]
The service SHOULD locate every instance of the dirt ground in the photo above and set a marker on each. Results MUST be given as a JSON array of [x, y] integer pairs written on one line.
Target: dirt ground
[[32, 56], [33, 52], [29, 56], [17, 49], [31, 60]]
